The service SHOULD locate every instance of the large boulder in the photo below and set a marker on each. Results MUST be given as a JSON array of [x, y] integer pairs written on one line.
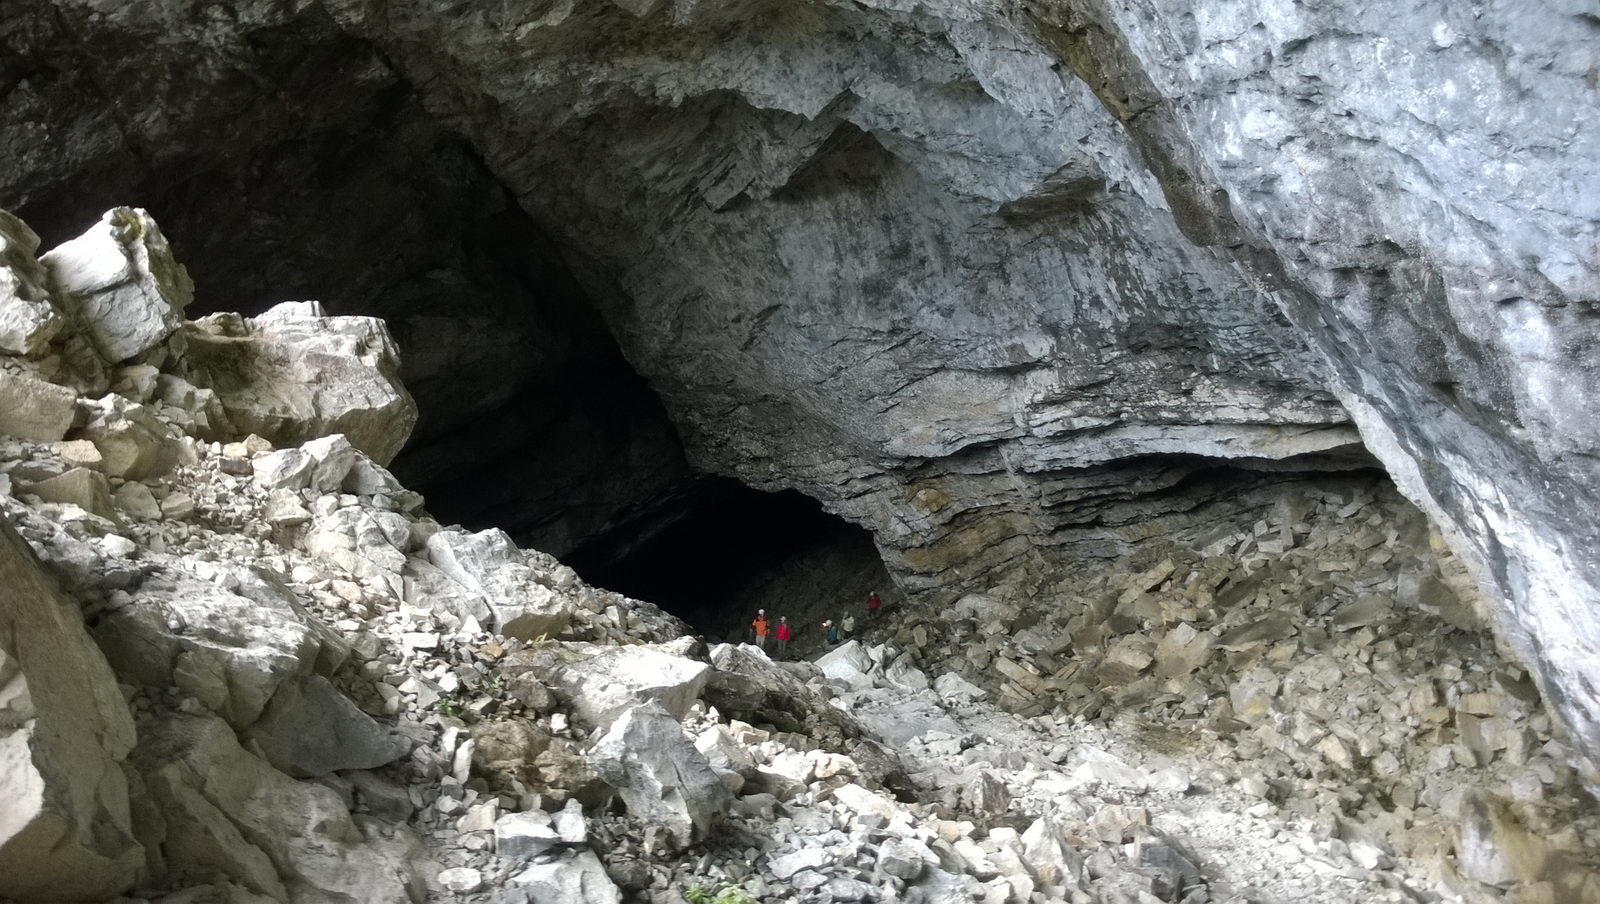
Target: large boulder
[[65, 827], [1049, 857], [747, 685], [660, 775], [227, 816], [311, 729], [229, 649], [496, 585], [361, 542], [294, 374], [603, 686], [852, 664], [31, 408], [83, 487], [132, 440], [28, 317], [122, 281]]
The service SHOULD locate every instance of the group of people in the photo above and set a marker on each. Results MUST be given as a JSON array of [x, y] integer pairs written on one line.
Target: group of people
[[832, 631]]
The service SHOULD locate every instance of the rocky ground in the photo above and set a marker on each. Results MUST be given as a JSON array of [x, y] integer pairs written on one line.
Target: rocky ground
[[241, 664]]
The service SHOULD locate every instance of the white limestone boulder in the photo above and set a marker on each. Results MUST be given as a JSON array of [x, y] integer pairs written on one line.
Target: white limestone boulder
[[287, 469], [903, 675], [334, 456], [905, 858], [122, 281], [661, 777], [28, 316], [1049, 857], [294, 374], [850, 663], [751, 666], [497, 586], [601, 687], [727, 756], [525, 835], [360, 541], [954, 688], [65, 827], [461, 880]]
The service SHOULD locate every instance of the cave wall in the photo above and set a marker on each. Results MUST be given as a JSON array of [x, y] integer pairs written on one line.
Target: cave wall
[[998, 281]]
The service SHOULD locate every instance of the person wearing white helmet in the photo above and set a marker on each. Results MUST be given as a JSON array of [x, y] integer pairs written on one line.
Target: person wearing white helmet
[[760, 627], [783, 632], [830, 631]]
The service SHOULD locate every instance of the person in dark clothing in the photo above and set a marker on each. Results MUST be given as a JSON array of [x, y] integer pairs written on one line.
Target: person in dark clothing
[[831, 631]]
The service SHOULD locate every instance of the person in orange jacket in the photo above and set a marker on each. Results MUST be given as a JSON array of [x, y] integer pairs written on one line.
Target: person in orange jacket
[[760, 627]]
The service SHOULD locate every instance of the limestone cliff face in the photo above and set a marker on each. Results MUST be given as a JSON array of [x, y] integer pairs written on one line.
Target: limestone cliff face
[[1001, 281]]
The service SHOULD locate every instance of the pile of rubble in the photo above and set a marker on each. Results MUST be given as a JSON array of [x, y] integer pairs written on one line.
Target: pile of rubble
[[241, 664], [1326, 659]]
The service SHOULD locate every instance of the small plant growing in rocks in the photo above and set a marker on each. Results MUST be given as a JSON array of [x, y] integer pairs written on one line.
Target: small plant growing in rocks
[[726, 893]]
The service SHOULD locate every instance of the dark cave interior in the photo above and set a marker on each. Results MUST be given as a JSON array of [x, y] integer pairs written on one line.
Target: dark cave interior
[[726, 552]]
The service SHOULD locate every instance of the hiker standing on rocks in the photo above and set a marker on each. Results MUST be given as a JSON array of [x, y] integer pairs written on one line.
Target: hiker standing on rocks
[[760, 627], [831, 631], [873, 604], [783, 634], [849, 626]]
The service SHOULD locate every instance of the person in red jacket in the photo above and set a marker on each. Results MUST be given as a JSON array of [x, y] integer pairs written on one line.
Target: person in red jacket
[[873, 604], [760, 627], [783, 634]]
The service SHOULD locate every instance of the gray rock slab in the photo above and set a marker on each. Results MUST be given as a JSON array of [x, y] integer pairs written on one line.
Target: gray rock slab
[[67, 833], [31, 408], [310, 728]]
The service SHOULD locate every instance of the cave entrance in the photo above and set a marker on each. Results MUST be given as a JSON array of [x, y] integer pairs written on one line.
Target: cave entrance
[[724, 550]]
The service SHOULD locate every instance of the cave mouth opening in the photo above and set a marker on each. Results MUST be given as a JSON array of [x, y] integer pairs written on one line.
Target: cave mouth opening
[[729, 549]]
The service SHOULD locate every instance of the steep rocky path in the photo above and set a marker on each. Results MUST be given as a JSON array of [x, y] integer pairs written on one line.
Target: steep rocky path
[[1303, 698]]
